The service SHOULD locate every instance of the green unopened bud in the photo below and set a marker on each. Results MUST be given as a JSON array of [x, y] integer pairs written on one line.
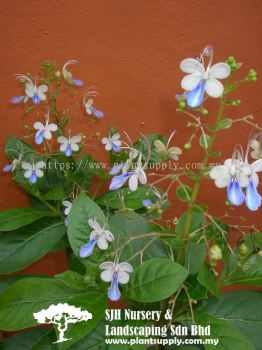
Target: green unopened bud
[[260, 253], [235, 103], [252, 73], [231, 59], [181, 104], [213, 263], [243, 249], [204, 111], [233, 66], [253, 78], [187, 145], [58, 74], [160, 211], [215, 253]]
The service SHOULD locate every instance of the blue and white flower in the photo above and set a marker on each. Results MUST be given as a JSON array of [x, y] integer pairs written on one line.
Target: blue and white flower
[[237, 175], [33, 171], [116, 273], [68, 76], [99, 236], [44, 131], [88, 102], [11, 167], [134, 177], [69, 145], [32, 91], [112, 142], [200, 79], [68, 206]]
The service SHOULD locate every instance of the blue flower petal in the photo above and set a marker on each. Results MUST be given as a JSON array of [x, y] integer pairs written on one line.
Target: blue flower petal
[[114, 293], [78, 82], [97, 113], [68, 151], [36, 99], [195, 97], [39, 137], [235, 193], [33, 178], [116, 148], [17, 99], [116, 169], [87, 249], [147, 203], [118, 181], [7, 168], [253, 198]]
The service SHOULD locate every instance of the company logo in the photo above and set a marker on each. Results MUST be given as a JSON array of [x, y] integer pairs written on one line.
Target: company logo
[[62, 315]]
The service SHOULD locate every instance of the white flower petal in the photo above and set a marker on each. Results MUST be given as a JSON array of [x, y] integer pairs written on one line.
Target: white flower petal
[[246, 169], [39, 173], [219, 171], [115, 137], [104, 140], [223, 181], [41, 96], [214, 88], [39, 126], [63, 147], [27, 166], [243, 180], [67, 211], [107, 275], [107, 265], [42, 88], [52, 127], [255, 179], [189, 82], [133, 182], [108, 235], [75, 139], [40, 165], [219, 71], [257, 165], [142, 177], [124, 266], [47, 135], [94, 224], [74, 147], [93, 235], [108, 146], [123, 277], [62, 139], [191, 65], [67, 204], [28, 173], [29, 90], [102, 243]]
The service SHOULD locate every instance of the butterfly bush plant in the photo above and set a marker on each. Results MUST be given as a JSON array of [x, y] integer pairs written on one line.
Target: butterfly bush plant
[[110, 220]]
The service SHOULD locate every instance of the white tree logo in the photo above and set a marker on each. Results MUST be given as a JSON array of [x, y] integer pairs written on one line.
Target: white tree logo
[[61, 315]]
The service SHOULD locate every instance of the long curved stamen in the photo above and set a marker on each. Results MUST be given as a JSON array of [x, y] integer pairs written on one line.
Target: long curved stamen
[[209, 52]]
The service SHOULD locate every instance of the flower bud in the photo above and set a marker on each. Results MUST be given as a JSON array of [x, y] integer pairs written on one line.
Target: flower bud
[[187, 145], [181, 104], [215, 253], [58, 74], [204, 111], [231, 59]]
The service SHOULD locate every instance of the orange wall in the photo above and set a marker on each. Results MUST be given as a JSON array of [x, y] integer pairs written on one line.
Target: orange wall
[[131, 51]]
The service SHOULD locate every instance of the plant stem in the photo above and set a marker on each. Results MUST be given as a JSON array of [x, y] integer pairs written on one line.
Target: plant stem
[[196, 188]]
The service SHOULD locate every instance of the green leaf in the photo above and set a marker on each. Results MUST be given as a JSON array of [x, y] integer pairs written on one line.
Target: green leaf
[[12, 219], [75, 280], [206, 277], [242, 310], [196, 224], [229, 337], [83, 209], [125, 198], [30, 295], [94, 302], [6, 282], [145, 280], [184, 193], [195, 256], [55, 194], [204, 141], [225, 123], [127, 228], [24, 340], [20, 248]]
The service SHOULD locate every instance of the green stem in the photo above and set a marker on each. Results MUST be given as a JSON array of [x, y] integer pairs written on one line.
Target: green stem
[[196, 188]]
